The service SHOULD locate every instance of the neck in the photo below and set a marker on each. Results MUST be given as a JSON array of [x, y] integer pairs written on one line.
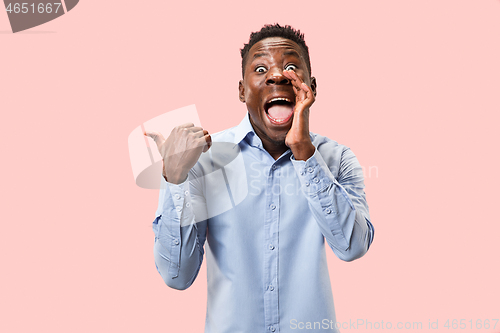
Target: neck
[[275, 149]]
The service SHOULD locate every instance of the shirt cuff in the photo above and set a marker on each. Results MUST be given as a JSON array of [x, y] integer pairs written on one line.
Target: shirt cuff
[[314, 174], [173, 196]]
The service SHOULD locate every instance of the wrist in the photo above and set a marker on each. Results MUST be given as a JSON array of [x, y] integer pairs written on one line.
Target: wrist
[[175, 177], [303, 151]]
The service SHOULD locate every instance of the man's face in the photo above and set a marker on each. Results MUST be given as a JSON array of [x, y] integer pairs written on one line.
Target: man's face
[[267, 93]]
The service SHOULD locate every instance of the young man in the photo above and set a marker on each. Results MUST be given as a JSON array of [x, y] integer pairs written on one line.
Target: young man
[[289, 192]]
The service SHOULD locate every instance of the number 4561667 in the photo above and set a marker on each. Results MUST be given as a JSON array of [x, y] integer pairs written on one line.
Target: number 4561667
[[40, 9], [471, 324]]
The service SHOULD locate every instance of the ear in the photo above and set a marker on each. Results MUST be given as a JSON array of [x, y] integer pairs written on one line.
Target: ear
[[313, 85], [241, 89]]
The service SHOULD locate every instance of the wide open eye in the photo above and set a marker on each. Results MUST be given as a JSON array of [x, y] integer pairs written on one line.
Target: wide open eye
[[290, 67], [260, 69]]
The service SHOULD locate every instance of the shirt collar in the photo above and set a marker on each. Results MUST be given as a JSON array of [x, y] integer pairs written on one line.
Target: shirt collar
[[243, 129]]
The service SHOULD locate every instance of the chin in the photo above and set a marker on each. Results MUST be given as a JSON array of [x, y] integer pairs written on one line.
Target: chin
[[278, 139]]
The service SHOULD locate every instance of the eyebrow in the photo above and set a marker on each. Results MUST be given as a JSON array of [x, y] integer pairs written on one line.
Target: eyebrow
[[260, 54], [292, 52]]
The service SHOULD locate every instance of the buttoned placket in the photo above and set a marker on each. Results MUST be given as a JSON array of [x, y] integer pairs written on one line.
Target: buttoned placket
[[271, 232]]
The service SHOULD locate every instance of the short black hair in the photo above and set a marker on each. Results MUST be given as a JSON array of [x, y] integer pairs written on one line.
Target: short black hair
[[275, 30]]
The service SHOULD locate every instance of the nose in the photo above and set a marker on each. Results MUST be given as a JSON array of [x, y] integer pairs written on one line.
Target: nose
[[277, 77]]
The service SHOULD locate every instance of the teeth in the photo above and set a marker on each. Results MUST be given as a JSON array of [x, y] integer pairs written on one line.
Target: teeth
[[280, 99]]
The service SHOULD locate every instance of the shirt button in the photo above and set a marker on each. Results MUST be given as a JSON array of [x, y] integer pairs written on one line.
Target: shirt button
[[275, 167], [186, 193], [188, 204], [272, 206], [272, 329], [316, 180], [271, 288], [328, 211], [307, 184], [271, 247], [178, 208], [176, 242], [177, 196], [310, 169]]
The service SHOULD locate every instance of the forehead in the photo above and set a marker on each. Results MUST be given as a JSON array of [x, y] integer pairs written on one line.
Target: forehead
[[275, 44]]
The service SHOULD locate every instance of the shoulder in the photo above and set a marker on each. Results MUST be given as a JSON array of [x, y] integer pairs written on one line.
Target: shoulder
[[226, 135], [339, 158], [327, 147]]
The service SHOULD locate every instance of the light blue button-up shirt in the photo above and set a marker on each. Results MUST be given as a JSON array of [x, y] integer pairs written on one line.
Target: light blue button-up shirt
[[265, 223]]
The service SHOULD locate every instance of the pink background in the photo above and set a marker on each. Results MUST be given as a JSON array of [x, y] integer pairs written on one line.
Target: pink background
[[411, 86]]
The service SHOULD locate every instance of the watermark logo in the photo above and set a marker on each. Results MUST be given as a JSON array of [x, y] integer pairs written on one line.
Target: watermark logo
[[26, 15], [221, 169]]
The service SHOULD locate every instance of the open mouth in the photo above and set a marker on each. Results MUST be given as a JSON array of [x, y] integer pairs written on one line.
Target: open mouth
[[279, 110]]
